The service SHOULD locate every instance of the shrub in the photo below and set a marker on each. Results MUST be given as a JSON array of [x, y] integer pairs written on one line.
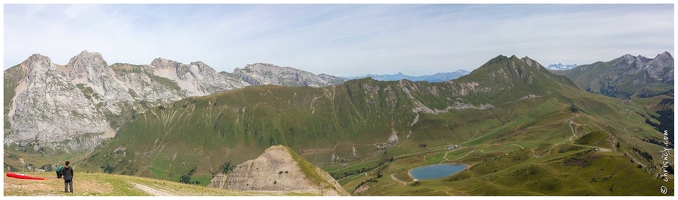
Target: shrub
[[185, 179]]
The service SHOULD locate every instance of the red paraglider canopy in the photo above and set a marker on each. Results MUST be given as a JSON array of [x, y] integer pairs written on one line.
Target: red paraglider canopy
[[22, 176]]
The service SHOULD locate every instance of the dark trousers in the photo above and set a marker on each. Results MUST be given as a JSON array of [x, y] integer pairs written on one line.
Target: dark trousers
[[66, 184]]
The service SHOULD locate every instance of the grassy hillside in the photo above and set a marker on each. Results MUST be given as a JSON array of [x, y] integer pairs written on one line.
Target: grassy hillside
[[596, 138], [97, 184], [568, 171], [358, 129]]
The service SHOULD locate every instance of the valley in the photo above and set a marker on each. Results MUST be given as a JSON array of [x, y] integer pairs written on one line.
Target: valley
[[531, 133], [349, 99]]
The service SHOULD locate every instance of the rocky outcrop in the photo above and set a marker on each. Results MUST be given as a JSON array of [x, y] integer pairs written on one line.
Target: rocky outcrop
[[268, 74], [279, 169]]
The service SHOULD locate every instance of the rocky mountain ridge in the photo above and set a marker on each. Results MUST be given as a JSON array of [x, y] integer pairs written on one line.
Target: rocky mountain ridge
[[269, 74], [78, 105], [626, 76]]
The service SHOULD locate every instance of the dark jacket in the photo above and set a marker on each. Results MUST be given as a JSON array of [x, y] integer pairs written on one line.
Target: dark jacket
[[68, 173]]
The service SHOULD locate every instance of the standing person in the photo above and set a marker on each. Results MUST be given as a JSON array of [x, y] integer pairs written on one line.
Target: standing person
[[68, 177]]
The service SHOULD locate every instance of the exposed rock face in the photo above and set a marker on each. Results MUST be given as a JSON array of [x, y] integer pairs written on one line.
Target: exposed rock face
[[197, 78], [268, 74], [49, 108], [278, 170], [144, 86], [78, 105], [91, 70]]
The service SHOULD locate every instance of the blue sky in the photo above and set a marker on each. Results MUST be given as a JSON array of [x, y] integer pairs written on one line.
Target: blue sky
[[343, 40]]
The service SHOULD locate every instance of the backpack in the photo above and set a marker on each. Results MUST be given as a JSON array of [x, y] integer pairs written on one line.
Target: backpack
[[59, 171]]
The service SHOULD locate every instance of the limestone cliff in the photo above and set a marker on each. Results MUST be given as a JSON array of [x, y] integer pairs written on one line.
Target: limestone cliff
[[279, 169], [268, 74], [46, 106]]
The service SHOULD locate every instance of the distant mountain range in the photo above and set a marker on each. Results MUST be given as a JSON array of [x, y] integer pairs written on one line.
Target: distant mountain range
[[438, 77], [560, 66]]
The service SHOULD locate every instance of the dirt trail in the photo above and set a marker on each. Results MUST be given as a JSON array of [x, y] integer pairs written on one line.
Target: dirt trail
[[445, 157], [465, 155], [574, 133], [482, 151], [152, 191]]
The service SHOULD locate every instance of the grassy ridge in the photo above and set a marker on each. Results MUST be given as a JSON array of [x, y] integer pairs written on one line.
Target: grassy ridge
[[596, 138], [309, 170]]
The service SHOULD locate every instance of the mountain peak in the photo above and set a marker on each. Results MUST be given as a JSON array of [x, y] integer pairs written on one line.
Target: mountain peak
[[165, 63], [35, 60], [37, 56], [87, 54], [642, 60], [511, 69], [78, 64], [665, 55], [495, 60]]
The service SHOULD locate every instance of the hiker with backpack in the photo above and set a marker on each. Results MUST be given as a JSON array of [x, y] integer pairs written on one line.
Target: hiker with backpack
[[67, 172]]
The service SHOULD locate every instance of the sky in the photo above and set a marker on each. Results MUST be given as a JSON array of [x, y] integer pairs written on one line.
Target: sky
[[341, 40]]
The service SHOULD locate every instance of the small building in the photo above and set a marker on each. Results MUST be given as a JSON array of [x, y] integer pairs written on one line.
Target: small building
[[453, 147]]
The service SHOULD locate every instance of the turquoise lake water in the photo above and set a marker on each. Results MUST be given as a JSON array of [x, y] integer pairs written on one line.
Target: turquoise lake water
[[436, 171]]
